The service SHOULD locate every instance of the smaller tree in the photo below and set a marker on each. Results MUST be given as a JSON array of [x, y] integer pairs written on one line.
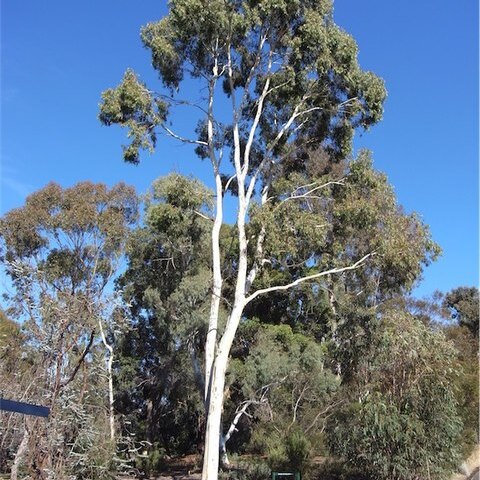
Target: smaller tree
[[402, 420], [463, 305], [167, 286], [16, 375], [61, 251], [278, 381]]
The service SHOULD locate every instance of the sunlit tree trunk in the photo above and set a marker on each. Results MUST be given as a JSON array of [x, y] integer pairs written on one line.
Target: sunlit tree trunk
[[22, 448], [110, 381]]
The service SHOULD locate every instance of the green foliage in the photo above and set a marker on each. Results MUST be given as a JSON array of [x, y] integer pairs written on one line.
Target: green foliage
[[463, 304], [466, 383], [291, 453], [317, 68], [61, 251], [282, 374], [12, 341], [338, 214], [288, 66], [153, 462], [298, 451], [167, 284], [403, 399], [247, 471], [131, 106], [84, 214], [368, 218]]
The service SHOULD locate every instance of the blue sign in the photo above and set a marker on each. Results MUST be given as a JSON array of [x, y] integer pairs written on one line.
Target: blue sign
[[25, 408]]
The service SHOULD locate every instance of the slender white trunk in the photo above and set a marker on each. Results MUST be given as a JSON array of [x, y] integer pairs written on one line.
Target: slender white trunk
[[213, 434], [215, 382], [110, 396], [211, 340], [217, 287], [224, 461], [110, 381], [22, 448]]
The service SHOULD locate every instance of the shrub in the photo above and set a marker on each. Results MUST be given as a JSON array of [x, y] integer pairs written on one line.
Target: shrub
[[402, 422]]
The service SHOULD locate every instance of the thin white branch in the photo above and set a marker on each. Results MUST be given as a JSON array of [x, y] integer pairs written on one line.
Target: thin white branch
[[183, 139], [322, 412], [308, 194], [258, 57], [297, 404], [253, 129], [307, 278], [258, 262], [240, 412], [279, 136], [200, 214], [229, 181], [276, 87]]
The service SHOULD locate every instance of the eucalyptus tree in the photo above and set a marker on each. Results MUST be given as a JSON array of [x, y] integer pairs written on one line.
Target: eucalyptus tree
[[292, 80], [463, 305], [402, 394], [15, 382], [61, 251], [167, 287], [279, 386]]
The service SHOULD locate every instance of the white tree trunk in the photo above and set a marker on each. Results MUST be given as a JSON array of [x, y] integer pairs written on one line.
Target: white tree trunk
[[217, 287], [22, 448], [216, 358], [213, 434], [110, 396], [110, 381]]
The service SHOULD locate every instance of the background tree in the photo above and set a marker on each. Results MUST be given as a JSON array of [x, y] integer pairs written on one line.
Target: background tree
[[463, 305], [167, 285], [167, 291], [402, 420], [61, 251], [16, 379], [281, 389]]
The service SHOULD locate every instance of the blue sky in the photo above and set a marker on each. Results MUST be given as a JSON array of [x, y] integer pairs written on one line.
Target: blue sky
[[57, 57]]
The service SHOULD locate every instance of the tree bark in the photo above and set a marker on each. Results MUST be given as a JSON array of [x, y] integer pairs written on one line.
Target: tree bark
[[22, 448], [110, 381], [213, 434]]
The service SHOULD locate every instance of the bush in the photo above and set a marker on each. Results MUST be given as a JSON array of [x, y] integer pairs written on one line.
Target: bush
[[402, 423], [153, 462], [250, 471], [291, 454]]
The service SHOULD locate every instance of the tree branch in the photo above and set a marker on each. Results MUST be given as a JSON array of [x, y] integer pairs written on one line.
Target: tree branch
[[253, 129], [308, 194], [307, 278], [80, 361], [323, 412], [183, 139]]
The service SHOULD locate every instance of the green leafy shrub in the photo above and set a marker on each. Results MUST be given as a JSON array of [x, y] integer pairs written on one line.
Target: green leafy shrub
[[249, 471], [298, 450], [291, 453], [153, 462], [402, 422]]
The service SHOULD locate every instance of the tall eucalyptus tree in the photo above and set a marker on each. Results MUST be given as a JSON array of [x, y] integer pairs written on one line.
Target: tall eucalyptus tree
[[292, 80]]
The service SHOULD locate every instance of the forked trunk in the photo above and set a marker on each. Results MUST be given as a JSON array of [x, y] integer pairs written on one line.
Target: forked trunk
[[213, 434]]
